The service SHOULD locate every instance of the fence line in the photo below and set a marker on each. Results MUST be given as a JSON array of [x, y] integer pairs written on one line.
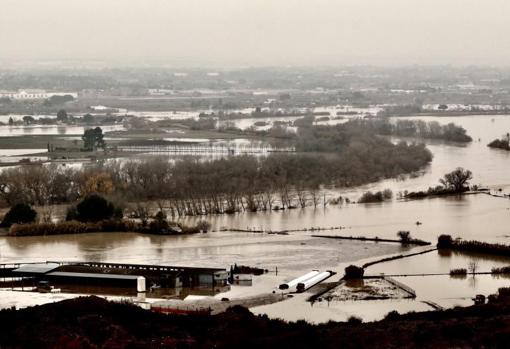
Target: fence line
[[205, 148]]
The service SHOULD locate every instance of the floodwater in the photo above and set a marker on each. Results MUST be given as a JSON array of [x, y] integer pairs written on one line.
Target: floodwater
[[443, 290], [10, 131], [15, 155], [284, 256], [289, 253], [479, 216], [489, 166]]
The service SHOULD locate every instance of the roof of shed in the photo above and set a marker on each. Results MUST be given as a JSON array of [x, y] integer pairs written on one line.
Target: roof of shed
[[37, 268], [94, 275]]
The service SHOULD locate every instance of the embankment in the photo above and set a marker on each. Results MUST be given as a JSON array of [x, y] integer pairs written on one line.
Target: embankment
[[376, 239]]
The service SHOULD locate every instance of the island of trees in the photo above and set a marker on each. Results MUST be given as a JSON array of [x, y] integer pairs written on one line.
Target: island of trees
[[328, 156], [416, 128], [453, 183], [503, 143], [93, 214]]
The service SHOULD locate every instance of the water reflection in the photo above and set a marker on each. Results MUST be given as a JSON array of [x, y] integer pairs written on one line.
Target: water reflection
[[478, 217], [9, 131], [291, 253]]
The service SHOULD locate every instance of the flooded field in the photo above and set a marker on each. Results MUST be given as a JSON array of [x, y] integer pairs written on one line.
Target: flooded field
[[9, 131], [297, 309], [15, 155], [284, 256], [290, 253], [479, 217]]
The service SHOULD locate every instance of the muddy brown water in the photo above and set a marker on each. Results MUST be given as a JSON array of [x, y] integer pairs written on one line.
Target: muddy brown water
[[480, 217]]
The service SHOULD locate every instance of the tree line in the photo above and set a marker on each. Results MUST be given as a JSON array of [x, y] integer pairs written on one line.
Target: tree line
[[193, 186], [414, 128]]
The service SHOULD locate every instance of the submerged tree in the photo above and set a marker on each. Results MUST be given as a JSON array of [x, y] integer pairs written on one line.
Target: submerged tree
[[28, 120], [353, 272], [62, 115], [19, 214], [404, 236], [93, 139], [93, 208], [473, 267], [457, 180]]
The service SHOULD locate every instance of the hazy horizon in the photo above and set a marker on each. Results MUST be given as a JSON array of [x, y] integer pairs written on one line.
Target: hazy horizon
[[237, 33]]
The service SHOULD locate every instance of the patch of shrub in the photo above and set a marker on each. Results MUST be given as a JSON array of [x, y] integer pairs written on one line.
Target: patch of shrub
[[404, 236], [458, 272], [354, 320], [500, 144], [444, 241], [116, 225], [93, 208], [19, 214], [502, 270], [189, 230], [160, 227], [392, 315], [378, 196], [204, 226], [354, 272], [68, 227], [504, 292]]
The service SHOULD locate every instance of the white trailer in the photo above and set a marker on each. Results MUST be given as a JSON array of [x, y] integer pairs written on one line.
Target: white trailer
[[296, 281], [140, 284], [305, 285]]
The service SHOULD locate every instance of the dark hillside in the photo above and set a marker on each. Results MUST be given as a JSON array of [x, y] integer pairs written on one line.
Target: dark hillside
[[95, 323]]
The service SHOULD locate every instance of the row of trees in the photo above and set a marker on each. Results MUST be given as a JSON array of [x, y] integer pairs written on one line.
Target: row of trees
[[93, 208], [414, 128], [93, 214], [447, 242], [339, 137], [193, 187]]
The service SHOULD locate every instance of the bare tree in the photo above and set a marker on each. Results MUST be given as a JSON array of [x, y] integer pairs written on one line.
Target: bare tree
[[473, 267], [456, 180]]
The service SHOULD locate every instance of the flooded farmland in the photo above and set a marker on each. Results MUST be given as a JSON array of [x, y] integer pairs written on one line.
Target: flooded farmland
[[481, 217]]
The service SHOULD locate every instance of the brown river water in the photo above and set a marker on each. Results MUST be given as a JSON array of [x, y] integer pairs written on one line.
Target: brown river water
[[480, 217]]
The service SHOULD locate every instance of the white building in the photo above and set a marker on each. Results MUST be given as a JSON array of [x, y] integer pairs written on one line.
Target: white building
[[160, 92], [34, 94]]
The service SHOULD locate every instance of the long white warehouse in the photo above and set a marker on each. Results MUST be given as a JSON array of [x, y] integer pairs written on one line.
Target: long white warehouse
[[305, 285], [296, 281]]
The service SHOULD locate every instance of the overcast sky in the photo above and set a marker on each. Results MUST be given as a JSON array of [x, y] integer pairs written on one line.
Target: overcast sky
[[258, 32]]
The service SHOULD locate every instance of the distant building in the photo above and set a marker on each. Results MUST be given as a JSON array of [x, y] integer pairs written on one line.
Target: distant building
[[34, 94], [105, 109], [160, 92]]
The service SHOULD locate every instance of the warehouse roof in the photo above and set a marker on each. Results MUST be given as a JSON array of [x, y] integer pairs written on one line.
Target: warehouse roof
[[94, 275], [36, 268]]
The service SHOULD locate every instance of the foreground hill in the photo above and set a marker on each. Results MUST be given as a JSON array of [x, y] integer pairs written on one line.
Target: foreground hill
[[92, 322]]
